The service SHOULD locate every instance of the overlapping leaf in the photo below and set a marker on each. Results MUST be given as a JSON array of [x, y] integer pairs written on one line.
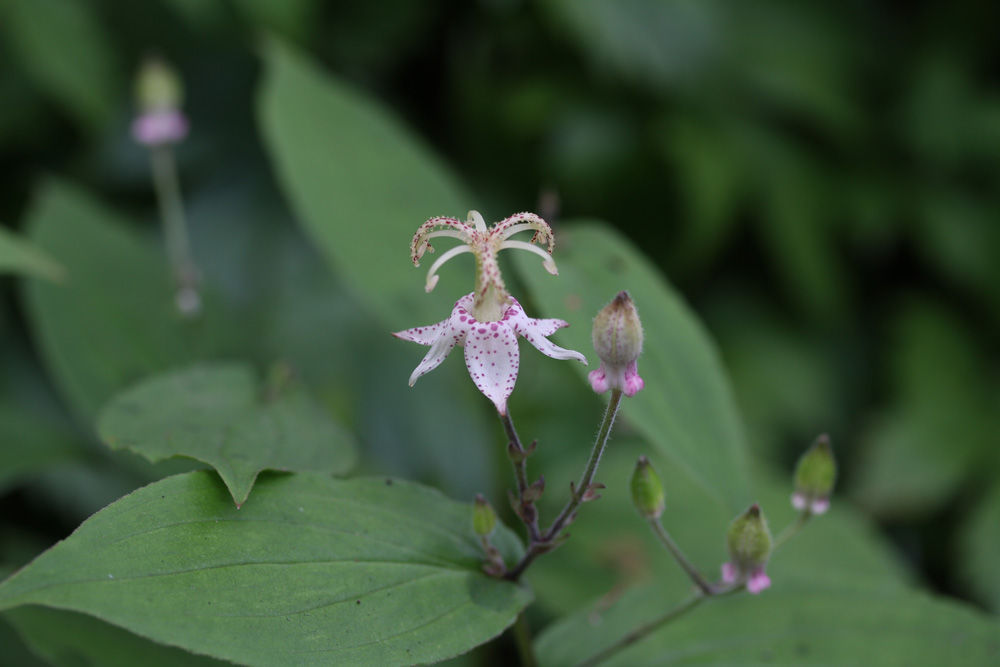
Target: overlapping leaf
[[216, 413], [19, 256], [359, 183], [316, 572]]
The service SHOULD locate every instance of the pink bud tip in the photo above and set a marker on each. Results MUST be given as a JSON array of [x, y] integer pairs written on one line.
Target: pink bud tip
[[729, 573], [820, 505], [598, 380], [757, 582], [799, 501], [155, 128], [633, 383]]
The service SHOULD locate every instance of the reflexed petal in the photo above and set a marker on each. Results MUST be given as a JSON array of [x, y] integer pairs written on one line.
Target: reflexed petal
[[423, 335], [439, 350], [550, 349], [492, 358]]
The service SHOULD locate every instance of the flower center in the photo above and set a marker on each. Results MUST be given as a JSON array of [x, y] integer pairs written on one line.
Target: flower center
[[491, 296]]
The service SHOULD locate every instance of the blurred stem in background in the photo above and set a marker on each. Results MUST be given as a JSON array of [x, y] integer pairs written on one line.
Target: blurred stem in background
[[168, 196]]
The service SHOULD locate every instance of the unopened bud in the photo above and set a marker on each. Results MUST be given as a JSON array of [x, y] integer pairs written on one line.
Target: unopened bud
[[647, 490], [484, 519], [749, 542], [159, 95], [617, 337], [815, 475], [157, 87]]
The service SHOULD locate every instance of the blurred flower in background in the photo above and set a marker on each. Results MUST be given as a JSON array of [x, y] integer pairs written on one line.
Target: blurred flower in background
[[820, 181]]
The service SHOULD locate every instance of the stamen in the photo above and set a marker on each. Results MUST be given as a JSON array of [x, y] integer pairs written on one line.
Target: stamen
[[477, 218], [432, 278], [419, 245], [548, 262]]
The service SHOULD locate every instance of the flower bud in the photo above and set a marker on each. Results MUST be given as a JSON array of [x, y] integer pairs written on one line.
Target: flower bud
[[159, 94], [647, 490], [749, 542], [815, 475], [157, 87], [617, 337], [484, 519]]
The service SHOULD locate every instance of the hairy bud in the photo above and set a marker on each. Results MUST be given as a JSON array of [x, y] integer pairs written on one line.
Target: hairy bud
[[617, 337], [815, 475], [484, 519], [647, 490]]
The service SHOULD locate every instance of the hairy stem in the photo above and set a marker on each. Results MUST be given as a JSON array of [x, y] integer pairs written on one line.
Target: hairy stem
[[679, 556], [648, 628], [792, 529], [546, 541], [519, 458]]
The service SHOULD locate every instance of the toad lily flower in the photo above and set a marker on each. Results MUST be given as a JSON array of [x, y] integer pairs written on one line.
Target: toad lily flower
[[488, 321]]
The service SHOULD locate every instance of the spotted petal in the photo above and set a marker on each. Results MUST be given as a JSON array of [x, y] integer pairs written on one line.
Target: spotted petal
[[536, 332], [439, 350], [492, 358], [423, 335]]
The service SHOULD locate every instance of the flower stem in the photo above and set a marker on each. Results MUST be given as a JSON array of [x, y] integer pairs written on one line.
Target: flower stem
[[519, 458], [547, 540], [522, 637], [676, 552], [168, 196], [643, 630], [792, 529]]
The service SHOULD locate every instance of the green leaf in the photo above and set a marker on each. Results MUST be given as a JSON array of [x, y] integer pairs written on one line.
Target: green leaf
[[979, 544], [217, 414], [686, 409], [359, 183], [20, 256], [113, 321], [68, 639], [660, 44], [30, 443], [938, 429], [799, 625], [65, 49], [316, 572], [15, 653]]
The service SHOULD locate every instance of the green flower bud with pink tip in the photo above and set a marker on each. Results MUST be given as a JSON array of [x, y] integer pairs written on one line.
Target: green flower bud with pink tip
[[815, 475], [617, 340], [159, 94], [749, 542]]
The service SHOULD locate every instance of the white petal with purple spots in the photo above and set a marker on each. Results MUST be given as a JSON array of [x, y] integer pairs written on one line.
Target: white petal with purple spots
[[492, 358]]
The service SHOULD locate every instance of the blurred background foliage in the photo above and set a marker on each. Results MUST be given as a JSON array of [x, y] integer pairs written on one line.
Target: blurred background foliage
[[819, 180]]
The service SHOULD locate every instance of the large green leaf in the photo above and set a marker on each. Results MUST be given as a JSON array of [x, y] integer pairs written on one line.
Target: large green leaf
[[217, 414], [19, 256], [113, 320], [69, 639], [360, 184], [802, 625], [316, 572], [687, 408], [67, 52], [979, 544]]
